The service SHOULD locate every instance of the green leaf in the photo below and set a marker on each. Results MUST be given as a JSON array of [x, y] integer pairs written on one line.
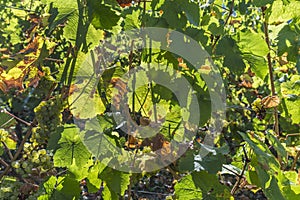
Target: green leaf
[[187, 189], [60, 188], [212, 162], [70, 188], [116, 181], [85, 100], [60, 12], [132, 20], [71, 150], [214, 26], [264, 156], [94, 173], [50, 187], [288, 41], [156, 3], [288, 89], [277, 145], [197, 34], [54, 138], [201, 185], [253, 43], [282, 13], [258, 65], [102, 16], [93, 37], [80, 172], [97, 139], [191, 10], [260, 3], [232, 56], [288, 184], [253, 177], [262, 176], [273, 191], [173, 15], [186, 162]]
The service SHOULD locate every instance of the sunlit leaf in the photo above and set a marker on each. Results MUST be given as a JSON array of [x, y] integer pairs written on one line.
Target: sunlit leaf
[[71, 150]]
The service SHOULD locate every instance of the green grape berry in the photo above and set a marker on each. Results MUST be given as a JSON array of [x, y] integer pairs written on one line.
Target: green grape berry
[[43, 159], [16, 164], [42, 151], [24, 165]]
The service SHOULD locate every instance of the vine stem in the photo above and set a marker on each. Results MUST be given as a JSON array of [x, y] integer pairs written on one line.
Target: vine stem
[[295, 161], [131, 67], [270, 67], [237, 184], [3, 162], [7, 150], [17, 118]]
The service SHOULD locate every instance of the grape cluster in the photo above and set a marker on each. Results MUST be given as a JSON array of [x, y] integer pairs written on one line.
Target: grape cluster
[[34, 165], [34, 162], [48, 115]]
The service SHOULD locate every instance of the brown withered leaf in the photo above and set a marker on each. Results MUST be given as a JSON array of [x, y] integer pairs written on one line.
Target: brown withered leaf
[[166, 148], [246, 84], [31, 47], [124, 3], [133, 142], [270, 101]]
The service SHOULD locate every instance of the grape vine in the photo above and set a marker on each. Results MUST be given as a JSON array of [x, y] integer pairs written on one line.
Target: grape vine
[[77, 97]]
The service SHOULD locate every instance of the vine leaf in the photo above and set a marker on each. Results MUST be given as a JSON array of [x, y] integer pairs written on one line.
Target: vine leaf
[[227, 47], [102, 16], [116, 181], [51, 189], [86, 102], [192, 11], [254, 48], [71, 150], [282, 13], [291, 93], [201, 185], [6, 120], [60, 188], [260, 3], [264, 156], [97, 139], [291, 190], [257, 64], [132, 20], [288, 41], [80, 172], [277, 145], [94, 173], [273, 191], [173, 14]]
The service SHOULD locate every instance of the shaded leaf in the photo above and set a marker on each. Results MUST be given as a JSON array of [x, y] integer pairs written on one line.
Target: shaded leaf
[[260, 3], [102, 16]]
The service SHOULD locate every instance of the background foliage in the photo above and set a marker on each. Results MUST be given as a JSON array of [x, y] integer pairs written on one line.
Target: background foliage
[[255, 45]]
